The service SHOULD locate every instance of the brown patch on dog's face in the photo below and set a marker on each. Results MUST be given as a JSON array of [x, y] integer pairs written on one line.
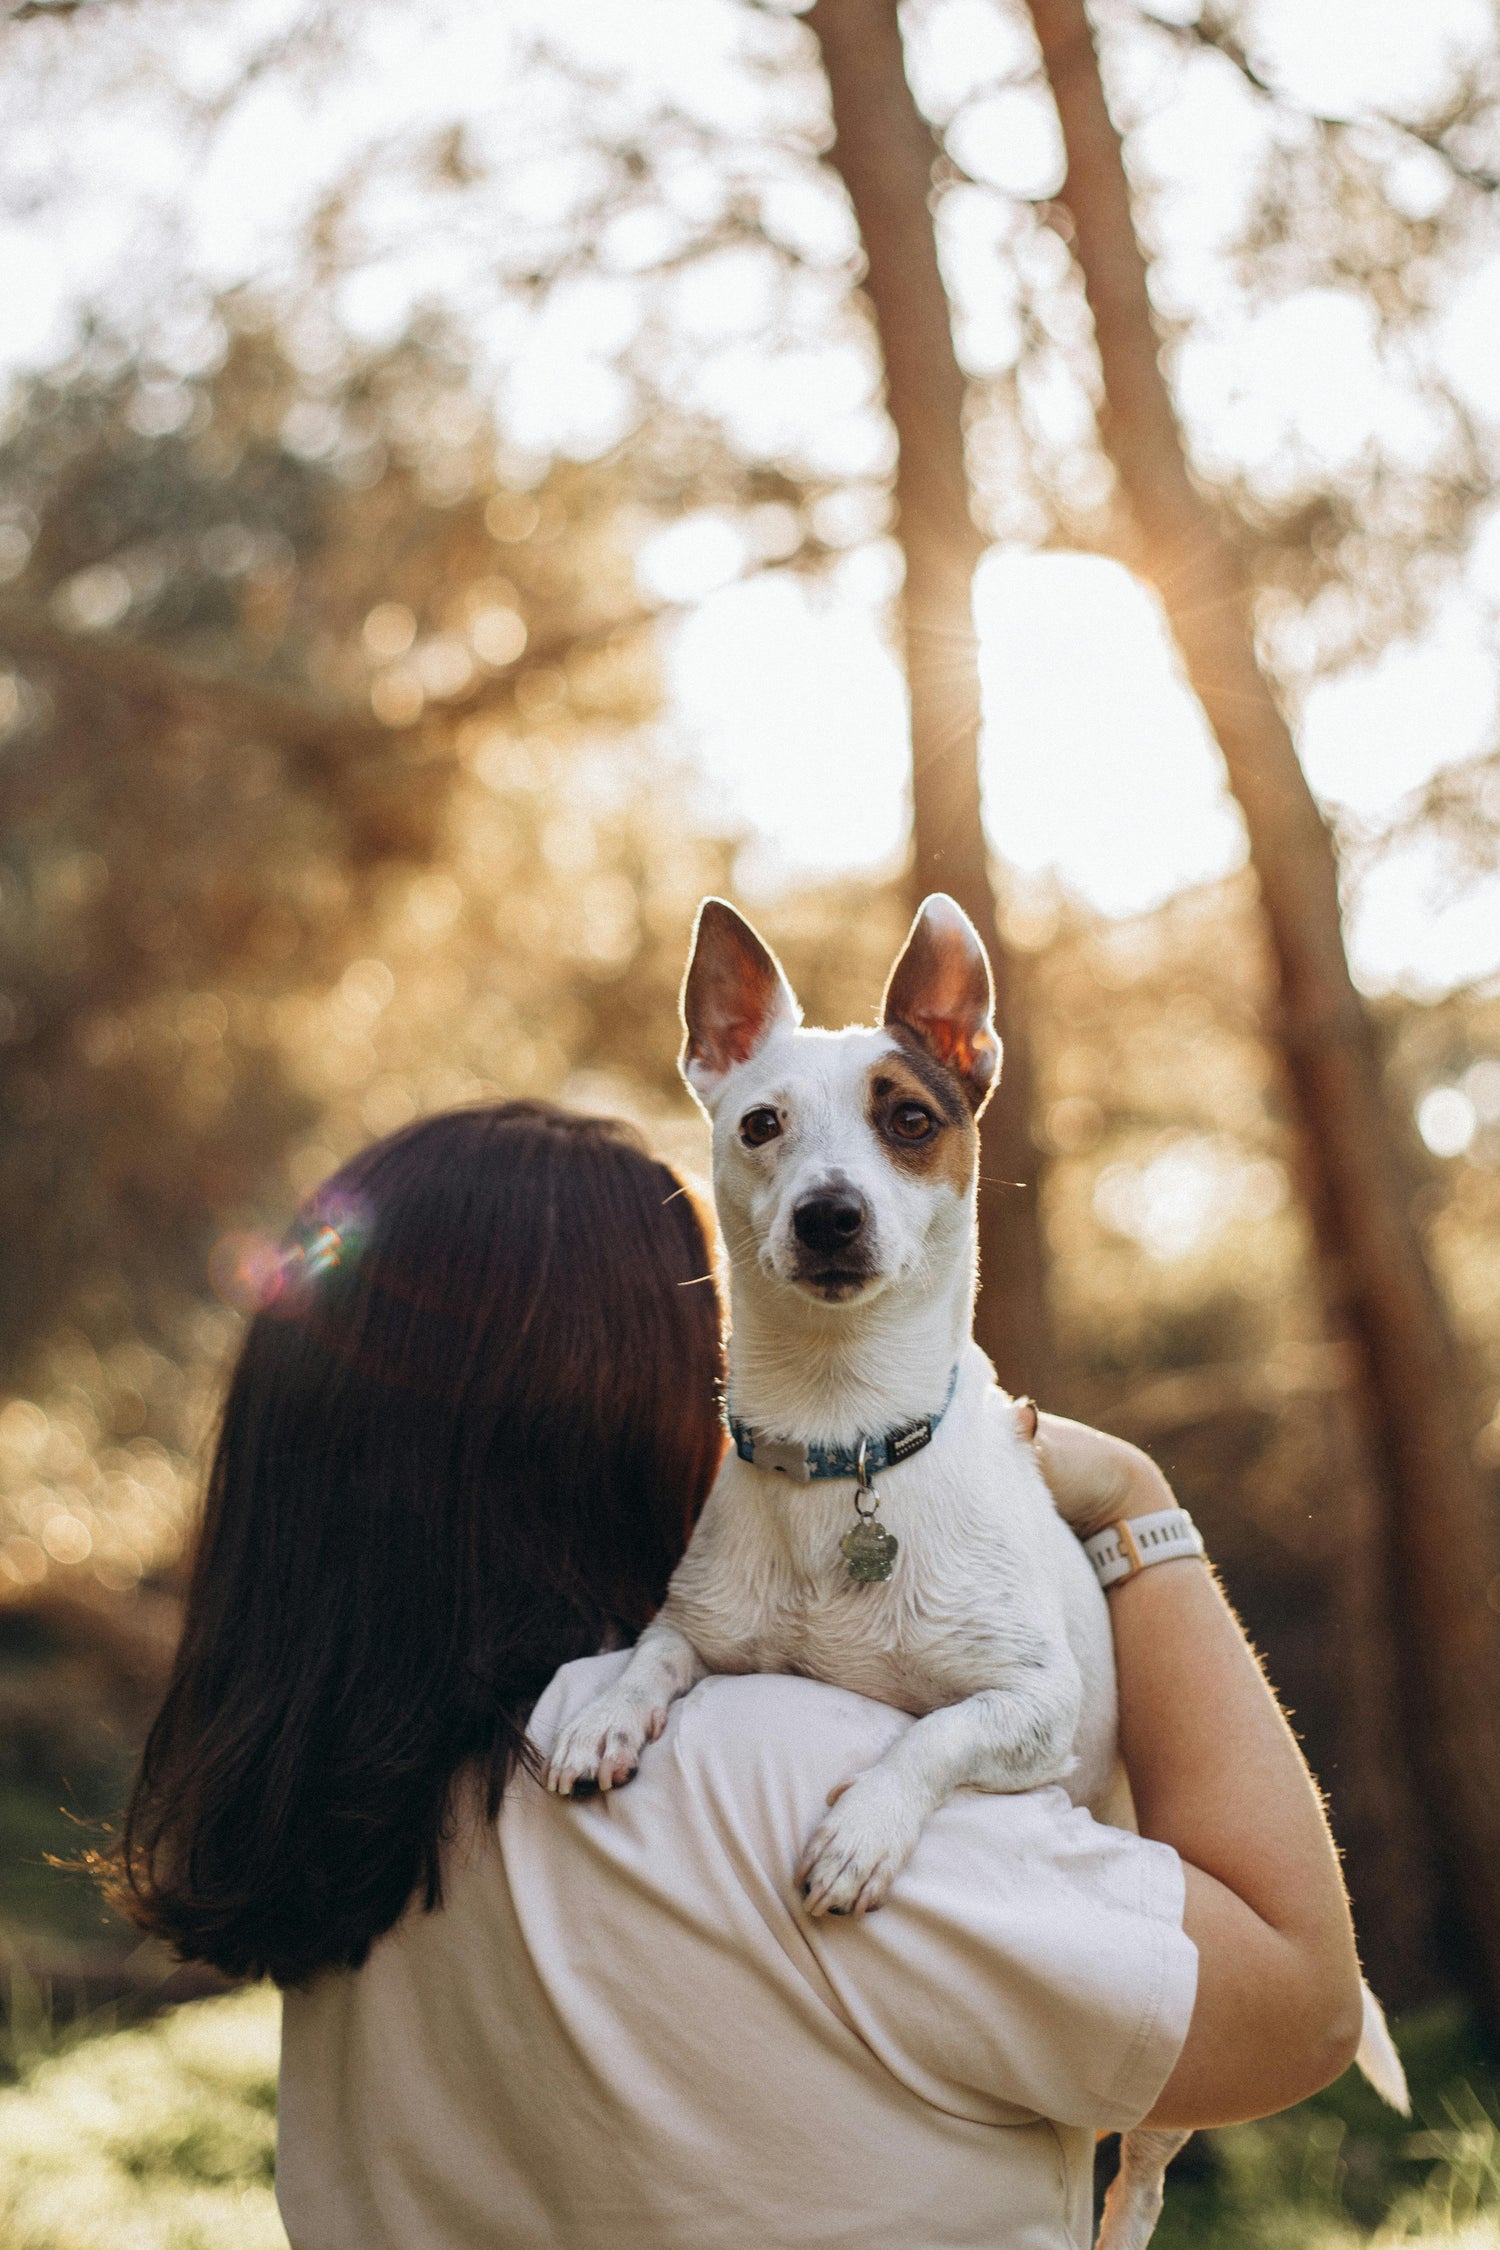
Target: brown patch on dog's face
[[920, 1116]]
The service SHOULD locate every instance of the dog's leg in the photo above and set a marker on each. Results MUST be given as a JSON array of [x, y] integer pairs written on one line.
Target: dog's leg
[[1133, 2204], [1017, 1737], [601, 1748]]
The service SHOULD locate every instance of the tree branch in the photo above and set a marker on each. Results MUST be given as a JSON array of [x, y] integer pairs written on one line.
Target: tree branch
[[146, 674], [1212, 33]]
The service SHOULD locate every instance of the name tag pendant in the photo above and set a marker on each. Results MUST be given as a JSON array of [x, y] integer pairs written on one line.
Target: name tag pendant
[[867, 1547]]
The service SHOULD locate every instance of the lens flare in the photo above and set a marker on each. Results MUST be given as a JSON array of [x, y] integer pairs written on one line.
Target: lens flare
[[254, 1274], [243, 1270]]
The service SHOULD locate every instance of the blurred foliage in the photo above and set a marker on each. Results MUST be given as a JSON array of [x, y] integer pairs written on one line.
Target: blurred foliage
[[1174, 1215], [162, 2137], [1394, 211], [1342, 2169], [325, 800]]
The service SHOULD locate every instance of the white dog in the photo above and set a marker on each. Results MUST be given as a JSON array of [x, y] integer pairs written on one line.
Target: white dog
[[844, 1170]]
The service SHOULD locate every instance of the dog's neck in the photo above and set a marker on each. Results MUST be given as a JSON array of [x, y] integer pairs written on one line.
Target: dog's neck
[[831, 1374]]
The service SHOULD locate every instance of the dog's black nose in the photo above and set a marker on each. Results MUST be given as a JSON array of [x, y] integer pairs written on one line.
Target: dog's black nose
[[830, 1222]]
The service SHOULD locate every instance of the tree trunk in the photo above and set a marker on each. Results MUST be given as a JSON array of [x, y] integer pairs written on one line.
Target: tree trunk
[[884, 153], [1441, 1534]]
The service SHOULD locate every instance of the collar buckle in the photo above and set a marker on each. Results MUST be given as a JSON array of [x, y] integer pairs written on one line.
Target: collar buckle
[[786, 1456]]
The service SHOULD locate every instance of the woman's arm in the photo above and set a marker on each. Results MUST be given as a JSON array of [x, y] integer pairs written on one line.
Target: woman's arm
[[1216, 1773]]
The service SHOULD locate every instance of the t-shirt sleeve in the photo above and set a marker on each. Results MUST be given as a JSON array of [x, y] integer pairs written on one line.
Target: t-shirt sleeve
[[1030, 1960]]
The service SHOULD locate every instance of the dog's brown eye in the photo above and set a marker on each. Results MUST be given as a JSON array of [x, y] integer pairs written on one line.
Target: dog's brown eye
[[758, 1126], [911, 1122]]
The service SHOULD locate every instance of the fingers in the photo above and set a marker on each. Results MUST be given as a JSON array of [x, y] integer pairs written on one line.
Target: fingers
[[1086, 1471], [1095, 1479]]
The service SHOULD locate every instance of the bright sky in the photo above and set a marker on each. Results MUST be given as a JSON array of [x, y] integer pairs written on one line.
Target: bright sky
[[1097, 764]]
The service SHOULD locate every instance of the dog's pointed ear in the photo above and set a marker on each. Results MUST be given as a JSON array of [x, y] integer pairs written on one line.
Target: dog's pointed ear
[[941, 991], [733, 997]]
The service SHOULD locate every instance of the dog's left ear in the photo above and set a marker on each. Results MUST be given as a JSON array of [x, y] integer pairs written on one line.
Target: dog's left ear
[[942, 992]]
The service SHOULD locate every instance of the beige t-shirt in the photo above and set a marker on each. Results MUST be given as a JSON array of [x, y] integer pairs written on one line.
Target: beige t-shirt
[[622, 2031]]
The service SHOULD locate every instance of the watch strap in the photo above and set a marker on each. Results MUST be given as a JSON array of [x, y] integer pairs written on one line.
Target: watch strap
[[1122, 1549]]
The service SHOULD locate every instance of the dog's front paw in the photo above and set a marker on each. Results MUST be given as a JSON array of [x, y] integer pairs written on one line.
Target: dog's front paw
[[601, 1748], [854, 1856]]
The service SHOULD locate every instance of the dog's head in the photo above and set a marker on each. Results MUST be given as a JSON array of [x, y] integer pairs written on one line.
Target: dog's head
[[844, 1161]]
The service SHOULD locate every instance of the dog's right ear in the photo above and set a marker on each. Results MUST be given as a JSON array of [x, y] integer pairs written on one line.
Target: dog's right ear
[[943, 993], [733, 997]]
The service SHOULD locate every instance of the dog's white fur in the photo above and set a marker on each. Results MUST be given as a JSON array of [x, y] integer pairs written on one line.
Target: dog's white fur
[[992, 1629]]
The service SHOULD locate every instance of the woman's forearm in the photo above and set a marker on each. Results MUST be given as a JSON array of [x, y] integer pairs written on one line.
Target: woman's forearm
[[1215, 1772]]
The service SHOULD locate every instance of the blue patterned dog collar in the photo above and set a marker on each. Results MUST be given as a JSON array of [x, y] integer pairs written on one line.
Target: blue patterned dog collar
[[811, 1464]]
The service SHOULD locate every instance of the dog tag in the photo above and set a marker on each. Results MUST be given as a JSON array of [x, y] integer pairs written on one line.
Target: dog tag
[[870, 1551]]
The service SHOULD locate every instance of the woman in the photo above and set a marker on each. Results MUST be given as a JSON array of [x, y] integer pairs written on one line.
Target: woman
[[462, 1450]]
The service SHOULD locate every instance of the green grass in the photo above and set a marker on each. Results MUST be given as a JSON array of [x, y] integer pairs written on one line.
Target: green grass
[[1342, 2171], [163, 2138], [160, 2138]]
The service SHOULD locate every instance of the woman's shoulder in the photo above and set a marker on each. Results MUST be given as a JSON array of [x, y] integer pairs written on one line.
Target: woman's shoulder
[[771, 1745], [1041, 1949]]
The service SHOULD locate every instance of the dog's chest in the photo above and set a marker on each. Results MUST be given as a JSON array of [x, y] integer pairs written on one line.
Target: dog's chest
[[766, 1587], [871, 1640]]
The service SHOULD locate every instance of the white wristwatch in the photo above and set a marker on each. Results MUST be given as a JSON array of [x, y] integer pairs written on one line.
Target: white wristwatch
[[1122, 1549]]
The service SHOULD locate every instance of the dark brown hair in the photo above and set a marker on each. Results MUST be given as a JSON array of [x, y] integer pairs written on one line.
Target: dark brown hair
[[465, 1443]]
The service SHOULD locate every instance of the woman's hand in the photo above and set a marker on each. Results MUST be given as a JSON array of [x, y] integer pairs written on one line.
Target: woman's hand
[[1095, 1479]]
